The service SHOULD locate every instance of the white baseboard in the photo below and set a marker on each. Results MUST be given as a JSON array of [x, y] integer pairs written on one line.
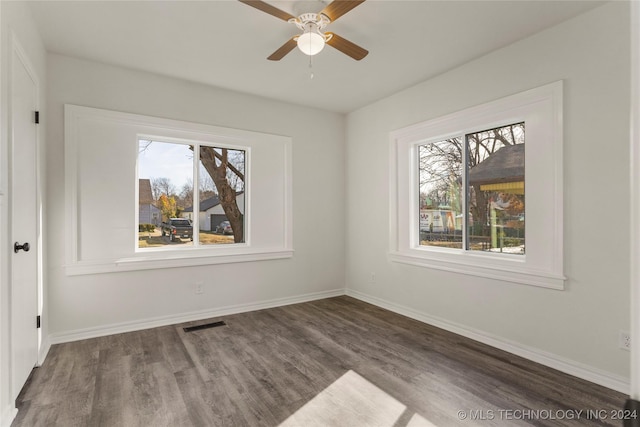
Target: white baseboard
[[571, 367], [8, 415], [118, 328]]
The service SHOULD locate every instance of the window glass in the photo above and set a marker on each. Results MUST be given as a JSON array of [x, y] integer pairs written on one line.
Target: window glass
[[168, 189], [165, 183], [440, 175], [495, 195], [491, 216], [222, 196]]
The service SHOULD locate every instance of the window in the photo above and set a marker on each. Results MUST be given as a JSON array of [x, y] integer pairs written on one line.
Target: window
[[218, 195], [458, 190], [472, 191], [199, 203]]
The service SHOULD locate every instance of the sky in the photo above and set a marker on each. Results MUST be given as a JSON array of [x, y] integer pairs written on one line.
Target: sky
[[166, 160], [175, 162]]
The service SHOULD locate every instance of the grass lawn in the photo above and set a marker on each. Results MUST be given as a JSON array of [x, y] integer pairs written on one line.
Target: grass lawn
[[154, 239], [211, 238]]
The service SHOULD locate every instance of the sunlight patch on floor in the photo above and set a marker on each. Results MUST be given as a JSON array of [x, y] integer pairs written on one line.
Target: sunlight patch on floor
[[352, 400], [419, 421]]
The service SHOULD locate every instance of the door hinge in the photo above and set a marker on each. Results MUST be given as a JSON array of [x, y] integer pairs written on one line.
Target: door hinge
[[37, 117], [37, 321]]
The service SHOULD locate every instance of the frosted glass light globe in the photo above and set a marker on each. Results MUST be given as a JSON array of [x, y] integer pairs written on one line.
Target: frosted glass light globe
[[310, 43]]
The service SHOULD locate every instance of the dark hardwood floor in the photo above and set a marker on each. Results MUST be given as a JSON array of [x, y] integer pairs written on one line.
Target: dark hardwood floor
[[333, 362]]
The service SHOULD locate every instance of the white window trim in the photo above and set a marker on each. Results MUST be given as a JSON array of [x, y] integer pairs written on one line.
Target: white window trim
[[165, 130], [542, 265]]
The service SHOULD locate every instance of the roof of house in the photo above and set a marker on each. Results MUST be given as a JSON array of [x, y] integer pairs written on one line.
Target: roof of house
[[209, 203], [206, 204], [145, 193], [505, 165]]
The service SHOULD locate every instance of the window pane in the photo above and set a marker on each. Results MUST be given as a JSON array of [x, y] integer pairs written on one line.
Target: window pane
[[495, 202], [440, 175], [165, 190], [222, 195]]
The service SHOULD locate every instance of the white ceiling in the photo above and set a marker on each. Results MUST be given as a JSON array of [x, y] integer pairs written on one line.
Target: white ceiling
[[225, 43]]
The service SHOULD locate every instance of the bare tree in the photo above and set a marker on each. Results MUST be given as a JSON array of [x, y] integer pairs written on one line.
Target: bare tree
[[217, 163], [207, 187], [186, 193], [441, 171], [160, 186], [144, 145], [236, 177]]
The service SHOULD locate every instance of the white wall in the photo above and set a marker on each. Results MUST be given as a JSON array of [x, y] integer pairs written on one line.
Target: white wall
[[93, 304], [575, 328], [15, 22]]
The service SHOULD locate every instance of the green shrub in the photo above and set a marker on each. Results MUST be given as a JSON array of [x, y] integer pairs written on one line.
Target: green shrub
[[146, 227], [512, 241]]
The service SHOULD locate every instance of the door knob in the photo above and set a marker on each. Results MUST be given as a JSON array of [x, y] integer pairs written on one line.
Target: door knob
[[17, 246]]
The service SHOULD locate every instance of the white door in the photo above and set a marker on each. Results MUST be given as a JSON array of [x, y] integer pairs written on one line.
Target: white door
[[24, 264]]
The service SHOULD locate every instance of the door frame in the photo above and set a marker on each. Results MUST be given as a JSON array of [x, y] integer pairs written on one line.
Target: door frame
[[635, 203], [16, 50]]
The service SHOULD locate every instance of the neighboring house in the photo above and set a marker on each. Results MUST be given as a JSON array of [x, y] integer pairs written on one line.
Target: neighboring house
[[148, 212], [502, 171], [211, 212]]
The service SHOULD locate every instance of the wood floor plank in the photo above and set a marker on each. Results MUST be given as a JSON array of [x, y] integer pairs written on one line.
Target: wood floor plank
[[332, 362], [113, 397]]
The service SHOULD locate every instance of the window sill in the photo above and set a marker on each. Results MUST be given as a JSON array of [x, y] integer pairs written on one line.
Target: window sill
[[466, 265], [164, 260]]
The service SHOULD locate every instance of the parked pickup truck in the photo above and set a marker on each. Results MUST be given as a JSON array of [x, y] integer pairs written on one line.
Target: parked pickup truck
[[177, 227]]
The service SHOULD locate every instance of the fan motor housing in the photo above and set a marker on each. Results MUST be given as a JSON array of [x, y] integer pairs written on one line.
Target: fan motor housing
[[318, 19]]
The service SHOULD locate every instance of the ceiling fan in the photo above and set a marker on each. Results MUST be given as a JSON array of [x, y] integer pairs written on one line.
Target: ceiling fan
[[312, 39]]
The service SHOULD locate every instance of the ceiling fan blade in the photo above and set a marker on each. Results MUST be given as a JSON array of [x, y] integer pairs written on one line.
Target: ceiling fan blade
[[267, 8], [283, 50], [337, 8], [346, 47]]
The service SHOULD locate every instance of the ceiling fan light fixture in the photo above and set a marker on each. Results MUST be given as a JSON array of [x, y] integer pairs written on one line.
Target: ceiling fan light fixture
[[311, 42]]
